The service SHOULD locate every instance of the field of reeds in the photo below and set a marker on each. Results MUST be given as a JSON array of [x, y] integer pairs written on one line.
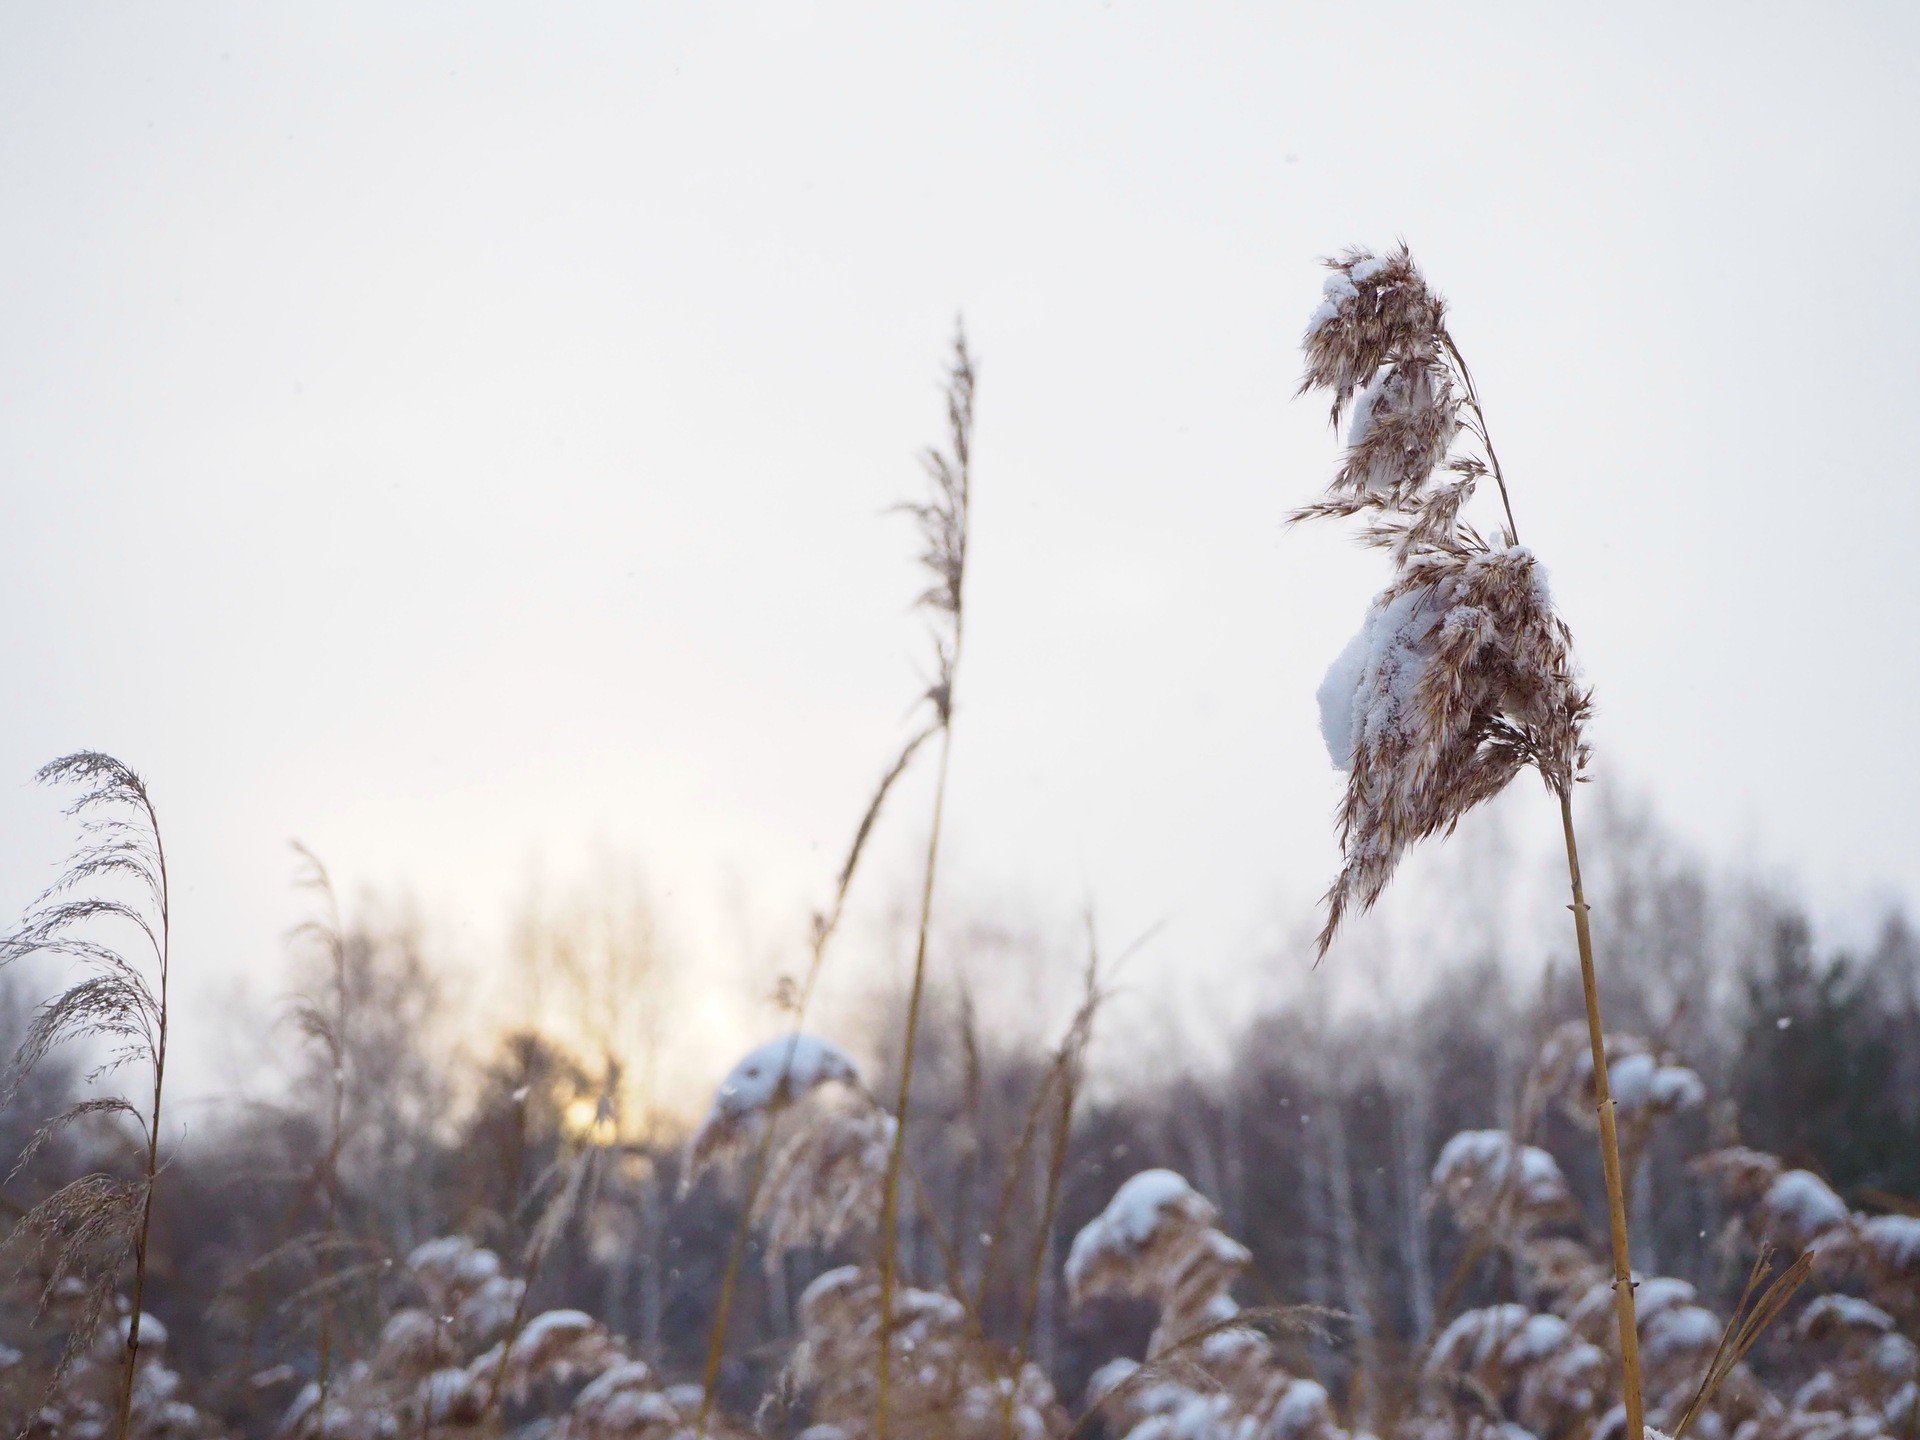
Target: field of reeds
[[1670, 1179]]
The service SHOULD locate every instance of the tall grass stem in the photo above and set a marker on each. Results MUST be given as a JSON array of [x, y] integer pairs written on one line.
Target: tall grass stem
[[143, 1235], [1609, 1137], [890, 1195]]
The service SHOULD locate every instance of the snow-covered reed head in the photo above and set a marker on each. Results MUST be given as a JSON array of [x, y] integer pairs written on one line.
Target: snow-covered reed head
[[1461, 675], [1211, 1368], [1157, 1239], [767, 1080], [1646, 1086], [1377, 311], [944, 518], [1490, 1181], [823, 1180], [949, 1382], [821, 1143]]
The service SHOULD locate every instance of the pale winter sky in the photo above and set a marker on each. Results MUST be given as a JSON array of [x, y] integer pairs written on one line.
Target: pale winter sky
[[459, 435]]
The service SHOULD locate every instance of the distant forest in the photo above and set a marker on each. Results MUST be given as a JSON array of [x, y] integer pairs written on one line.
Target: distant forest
[[1316, 1143]]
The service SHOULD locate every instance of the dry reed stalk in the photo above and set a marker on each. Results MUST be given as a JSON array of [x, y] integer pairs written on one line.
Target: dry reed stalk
[[943, 1242], [890, 1194], [944, 522], [1609, 1137], [1010, 1182], [1069, 1065], [571, 1178], [730, 1278], [943, 541], [329, 1028], [971, 1160], [97, 1220], [1463, 675], [825, 924]]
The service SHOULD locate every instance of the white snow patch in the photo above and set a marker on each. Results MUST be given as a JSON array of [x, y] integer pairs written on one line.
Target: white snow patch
[[1682, 1330], [1538, 1338], [1132, 1216], [1663, 1292], [1374, 677], [801, 1061], [1335, 293], [1801, 1206], [1894, 1240], [1362, 414], [1304, 1407], [1842, 1312], [152, 1333], [1474, 1338], [1483, 1159], [550, 1327]]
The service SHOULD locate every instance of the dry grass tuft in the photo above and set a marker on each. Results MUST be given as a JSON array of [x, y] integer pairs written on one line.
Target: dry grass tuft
[[116, 879]]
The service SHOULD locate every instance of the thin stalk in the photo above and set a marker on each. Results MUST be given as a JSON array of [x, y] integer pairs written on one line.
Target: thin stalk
[[1609, 1137], [730, 1278], [336, 1121], [949, 1252], [153, 1132], [890, 1196], [545, 1235], [1480, 429], [1596, 1031], [1010, 1182], [824, 928], [1043, 1235], [336, 1127]]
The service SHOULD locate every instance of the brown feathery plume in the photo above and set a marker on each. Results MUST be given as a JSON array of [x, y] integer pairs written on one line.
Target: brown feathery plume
[[950, 1385], [98, 1222], [762, 1084], [1463, 675], [1210, 1367], [823, 1182], [944, 520], [1534, 1366], [1647, 1087], [818, 1139]]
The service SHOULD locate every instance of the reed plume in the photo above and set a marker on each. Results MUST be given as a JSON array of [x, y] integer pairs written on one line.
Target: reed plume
[[818, 1142], [950, 1386], [944, 519], [1462, 675], [116, 879], [1211, 1367]]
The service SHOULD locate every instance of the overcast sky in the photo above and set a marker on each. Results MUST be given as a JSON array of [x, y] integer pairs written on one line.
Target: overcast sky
[[459, 436]]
